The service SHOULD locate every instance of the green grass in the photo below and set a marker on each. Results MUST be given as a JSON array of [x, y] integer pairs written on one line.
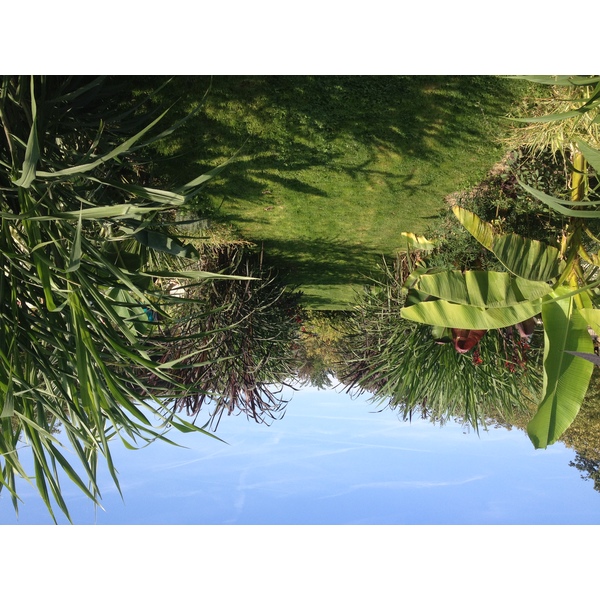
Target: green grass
[[330, 170]]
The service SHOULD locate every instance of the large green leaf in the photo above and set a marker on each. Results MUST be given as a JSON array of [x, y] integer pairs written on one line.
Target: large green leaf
[[562, 206], [481, 288], [483, 232], [460, 316], [527, 258], [566, 377]]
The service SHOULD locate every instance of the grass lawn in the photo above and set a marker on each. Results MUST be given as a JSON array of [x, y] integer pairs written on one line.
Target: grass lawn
[[330, 170]]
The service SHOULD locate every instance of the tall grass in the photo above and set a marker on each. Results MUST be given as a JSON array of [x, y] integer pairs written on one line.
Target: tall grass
[[80, 261]]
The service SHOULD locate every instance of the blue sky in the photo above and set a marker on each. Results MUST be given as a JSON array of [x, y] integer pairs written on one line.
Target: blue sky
[[335, 460]]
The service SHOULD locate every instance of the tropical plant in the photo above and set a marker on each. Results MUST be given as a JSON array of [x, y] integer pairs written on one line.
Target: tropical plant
[[416, 369], [559, 281], [566, 109], [244, 350], [78, 275]]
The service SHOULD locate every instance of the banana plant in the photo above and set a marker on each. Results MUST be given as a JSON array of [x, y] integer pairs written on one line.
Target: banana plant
[[557, 283]]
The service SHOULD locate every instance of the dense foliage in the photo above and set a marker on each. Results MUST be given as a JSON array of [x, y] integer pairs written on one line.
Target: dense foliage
[[84, 254], [416, 369], [557, 279], [242, 352]]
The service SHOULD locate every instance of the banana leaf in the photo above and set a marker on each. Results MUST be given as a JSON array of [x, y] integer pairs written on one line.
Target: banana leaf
[[461, 316], [483, 232], [527, 258], [415, 242], [481, 288], [566, 377]]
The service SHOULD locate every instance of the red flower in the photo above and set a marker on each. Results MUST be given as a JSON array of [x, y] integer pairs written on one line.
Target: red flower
[[465, 339]]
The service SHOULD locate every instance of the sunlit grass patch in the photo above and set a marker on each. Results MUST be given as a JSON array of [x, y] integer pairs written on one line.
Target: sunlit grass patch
[[352, 161]]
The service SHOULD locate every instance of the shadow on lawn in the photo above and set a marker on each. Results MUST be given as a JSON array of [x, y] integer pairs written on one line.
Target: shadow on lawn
[[289, 123], [318, 262]]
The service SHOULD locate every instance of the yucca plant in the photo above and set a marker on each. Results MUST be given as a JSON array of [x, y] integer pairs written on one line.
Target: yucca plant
[[77, 277]]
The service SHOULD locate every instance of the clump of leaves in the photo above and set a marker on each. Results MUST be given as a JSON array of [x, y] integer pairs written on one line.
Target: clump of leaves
[[410, 367], [241, 349], [564, 109], [80, 262]]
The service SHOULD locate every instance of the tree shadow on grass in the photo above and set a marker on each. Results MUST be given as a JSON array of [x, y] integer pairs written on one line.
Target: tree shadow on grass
[[289, 123], [321, 262]]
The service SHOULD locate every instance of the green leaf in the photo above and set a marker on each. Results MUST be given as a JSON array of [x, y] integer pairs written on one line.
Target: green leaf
[[152, 194], [559, 205], [483, 232], [530, 259], [591, 155], [563, 80], [165, 243], [8, 408], [75, 257], [415, 242], [192, 186], [481, 288], [566, 377], [32, 151], [79, 169], [103, 212], [460, 316], [131, 311]]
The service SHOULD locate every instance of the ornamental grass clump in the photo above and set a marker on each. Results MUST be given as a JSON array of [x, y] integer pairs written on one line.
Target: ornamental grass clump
[[84, 252], [247, 354]]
